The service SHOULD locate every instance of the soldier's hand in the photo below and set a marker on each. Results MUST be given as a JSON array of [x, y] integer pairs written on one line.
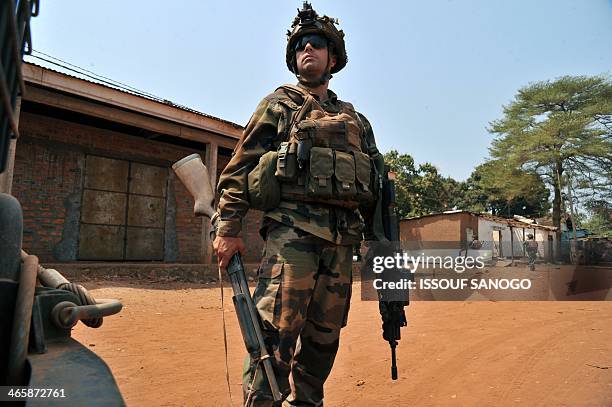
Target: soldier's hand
[[226, 247]]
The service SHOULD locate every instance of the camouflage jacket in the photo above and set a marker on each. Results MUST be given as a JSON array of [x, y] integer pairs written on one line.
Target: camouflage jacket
[[266, 129]]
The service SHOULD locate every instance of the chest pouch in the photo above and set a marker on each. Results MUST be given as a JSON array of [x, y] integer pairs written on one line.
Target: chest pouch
[[364, 176], [286, 164], [321, 170], [323, 160], [344, 175], [325, 130]]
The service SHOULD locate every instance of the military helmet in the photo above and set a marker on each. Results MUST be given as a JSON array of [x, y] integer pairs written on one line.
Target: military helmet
[[309, 22]]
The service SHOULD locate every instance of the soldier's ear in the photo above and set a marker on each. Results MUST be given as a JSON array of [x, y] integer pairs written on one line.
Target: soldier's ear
[[333, 61]]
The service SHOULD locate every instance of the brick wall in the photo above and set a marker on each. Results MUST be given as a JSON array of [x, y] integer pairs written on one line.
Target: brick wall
[[48, 179], [441, 228], [43, 180]]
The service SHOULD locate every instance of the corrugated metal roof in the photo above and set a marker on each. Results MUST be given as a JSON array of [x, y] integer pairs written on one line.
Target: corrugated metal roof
[[488, 216], [63, 70]]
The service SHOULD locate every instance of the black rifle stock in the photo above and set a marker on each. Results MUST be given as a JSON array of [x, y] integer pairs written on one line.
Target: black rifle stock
[[194, 174]]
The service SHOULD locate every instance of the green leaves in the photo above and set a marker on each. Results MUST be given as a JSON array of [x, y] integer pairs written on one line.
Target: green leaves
[[550, 128], [556, 126], [422, 190], [504, 190], [548, 121]]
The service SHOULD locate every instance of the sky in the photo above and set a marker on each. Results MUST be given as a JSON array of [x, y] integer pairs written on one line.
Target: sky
[[429, 75]]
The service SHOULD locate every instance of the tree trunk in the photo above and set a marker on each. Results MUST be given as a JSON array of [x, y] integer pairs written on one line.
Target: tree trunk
[[556, 207]]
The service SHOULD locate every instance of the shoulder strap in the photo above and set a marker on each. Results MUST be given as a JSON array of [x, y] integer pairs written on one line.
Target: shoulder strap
[[303, 108], [365, 144], [300, 94], [294, 88]]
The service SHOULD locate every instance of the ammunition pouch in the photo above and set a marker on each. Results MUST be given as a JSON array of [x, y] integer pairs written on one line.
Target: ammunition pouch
[[365, 176], [344, 175], [332, 177], [324, 159], [287, 162], [264, 192], [321, 170]]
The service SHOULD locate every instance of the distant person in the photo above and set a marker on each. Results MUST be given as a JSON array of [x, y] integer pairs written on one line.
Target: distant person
[[475, 244], [531, 247]]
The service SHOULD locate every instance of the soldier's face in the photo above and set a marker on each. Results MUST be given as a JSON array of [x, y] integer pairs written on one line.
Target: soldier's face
[[311, 62]]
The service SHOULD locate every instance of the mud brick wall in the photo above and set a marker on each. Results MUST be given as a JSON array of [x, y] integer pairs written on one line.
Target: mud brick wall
[[444, 228], [48, 181]]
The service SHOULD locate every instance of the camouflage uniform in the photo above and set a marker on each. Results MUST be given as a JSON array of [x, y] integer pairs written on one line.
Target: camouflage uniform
[[304, 286], [531, 247], [304, 281]]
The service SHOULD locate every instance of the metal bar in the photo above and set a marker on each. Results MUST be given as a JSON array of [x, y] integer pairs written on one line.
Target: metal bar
[[66, 314], [16, 43], [48, 277], [129, 193], [123, 225], [38, 326], [6, 102], [20, 333], [6, 178], [124, 254]]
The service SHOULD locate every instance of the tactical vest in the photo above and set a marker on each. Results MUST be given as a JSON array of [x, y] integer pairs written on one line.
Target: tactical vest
[[324, 158]]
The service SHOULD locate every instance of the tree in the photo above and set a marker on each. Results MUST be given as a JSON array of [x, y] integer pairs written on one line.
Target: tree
[[405, 173], [420, 191], [504, 191], [600, 220], [433, 193], [551, 128]]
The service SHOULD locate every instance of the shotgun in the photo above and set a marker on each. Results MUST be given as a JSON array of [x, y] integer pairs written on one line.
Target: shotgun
[[194, 175]]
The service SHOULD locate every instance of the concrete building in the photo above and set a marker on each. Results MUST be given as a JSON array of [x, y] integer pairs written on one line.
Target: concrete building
[[500, 237], [91, 169]]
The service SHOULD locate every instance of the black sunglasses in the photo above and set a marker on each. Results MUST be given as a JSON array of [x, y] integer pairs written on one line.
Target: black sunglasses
[[316, 41]]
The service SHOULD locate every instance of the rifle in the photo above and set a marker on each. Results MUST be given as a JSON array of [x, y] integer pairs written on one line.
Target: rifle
[[194, 175], [391, 309]]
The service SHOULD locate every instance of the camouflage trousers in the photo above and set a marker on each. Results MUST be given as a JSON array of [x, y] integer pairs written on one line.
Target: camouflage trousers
[[303, 297]]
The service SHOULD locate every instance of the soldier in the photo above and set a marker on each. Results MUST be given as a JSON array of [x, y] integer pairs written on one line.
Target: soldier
[[311, 155], [531, 247]]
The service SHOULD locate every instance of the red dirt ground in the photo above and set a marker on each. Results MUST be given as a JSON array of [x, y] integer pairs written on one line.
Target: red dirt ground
[[166, 349]]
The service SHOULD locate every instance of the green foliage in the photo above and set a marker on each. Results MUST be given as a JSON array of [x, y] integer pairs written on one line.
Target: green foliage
[[548, 130], [559, 126], [422, 190], [405, 174], [599, 222], [492, 187], [504, 191]]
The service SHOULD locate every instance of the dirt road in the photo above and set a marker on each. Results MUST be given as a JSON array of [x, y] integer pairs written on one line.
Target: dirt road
[[166, 349]]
